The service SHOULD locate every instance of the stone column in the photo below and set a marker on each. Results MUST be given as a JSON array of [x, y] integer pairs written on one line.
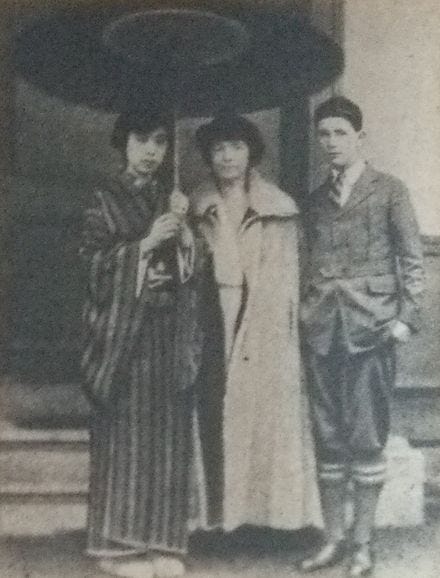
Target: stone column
[[6, 162], [328, 17], [299, 158]]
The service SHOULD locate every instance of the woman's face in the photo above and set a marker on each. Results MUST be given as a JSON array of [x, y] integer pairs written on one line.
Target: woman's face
[[146, 152], [230, 159]]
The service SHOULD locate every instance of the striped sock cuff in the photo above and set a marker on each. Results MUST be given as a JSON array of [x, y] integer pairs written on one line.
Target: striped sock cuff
[[368, 473], [331, 473]]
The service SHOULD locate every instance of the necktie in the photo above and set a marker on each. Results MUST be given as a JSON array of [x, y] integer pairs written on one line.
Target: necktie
[[337, 187]]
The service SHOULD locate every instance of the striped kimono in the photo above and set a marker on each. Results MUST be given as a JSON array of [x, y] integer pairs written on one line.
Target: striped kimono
[[141, 356]]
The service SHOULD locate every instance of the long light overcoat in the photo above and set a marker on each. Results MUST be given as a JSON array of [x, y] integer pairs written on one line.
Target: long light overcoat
[[268, 455]]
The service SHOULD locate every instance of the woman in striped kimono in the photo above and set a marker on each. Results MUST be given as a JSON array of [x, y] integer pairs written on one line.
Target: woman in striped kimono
[[141, 357]]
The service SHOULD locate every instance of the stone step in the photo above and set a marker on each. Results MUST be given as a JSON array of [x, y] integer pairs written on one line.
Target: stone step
[[31, 515], [43, 462], [43, 480], [44, 406], [415, 415]]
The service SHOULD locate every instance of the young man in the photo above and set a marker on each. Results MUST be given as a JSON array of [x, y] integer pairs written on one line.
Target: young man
[[362, 296]]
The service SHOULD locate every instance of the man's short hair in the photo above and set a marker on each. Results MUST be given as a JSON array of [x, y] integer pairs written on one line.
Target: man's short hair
[[339, 106]]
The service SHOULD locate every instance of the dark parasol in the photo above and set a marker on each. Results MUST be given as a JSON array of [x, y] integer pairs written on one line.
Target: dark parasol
[[204, 60]]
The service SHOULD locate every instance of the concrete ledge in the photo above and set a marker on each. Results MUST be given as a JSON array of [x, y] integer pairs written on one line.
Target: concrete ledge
[[43, 462], [43, 405], [402, 502], [41, 517], [12, 434]]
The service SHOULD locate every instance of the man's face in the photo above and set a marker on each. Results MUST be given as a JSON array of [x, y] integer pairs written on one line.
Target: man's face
[[230, 159], [146, 152], [340, 141]]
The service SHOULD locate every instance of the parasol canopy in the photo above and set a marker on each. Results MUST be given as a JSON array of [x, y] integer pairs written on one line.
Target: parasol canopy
[[202, 60]]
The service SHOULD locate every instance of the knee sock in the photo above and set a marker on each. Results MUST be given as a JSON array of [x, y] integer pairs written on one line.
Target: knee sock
[[333, 488], [365, 501]]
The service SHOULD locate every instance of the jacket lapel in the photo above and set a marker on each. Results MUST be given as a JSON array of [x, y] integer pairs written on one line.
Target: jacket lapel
[[362, 189], [326, 204]]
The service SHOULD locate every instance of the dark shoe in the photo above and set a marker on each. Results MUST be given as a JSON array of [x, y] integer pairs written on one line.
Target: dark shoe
[[362, 561], [329, 555]]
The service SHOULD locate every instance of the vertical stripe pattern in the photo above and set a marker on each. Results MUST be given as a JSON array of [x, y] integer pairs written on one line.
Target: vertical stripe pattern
[[141, 357], [141, 452]]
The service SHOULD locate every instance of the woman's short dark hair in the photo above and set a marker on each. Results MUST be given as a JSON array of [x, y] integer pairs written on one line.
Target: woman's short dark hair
[[230, 128], [144, 122], [140, 122]]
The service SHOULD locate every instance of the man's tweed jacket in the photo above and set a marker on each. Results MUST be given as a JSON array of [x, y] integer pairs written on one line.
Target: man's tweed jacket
[[364, 264]]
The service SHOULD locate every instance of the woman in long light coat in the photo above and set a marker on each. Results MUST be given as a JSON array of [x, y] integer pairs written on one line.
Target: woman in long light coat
[[259, 422]]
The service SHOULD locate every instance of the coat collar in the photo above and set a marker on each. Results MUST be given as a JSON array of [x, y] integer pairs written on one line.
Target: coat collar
[[265, 199]]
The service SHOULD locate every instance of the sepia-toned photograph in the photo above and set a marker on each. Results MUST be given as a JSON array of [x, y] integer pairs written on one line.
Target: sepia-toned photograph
[[220, 289]]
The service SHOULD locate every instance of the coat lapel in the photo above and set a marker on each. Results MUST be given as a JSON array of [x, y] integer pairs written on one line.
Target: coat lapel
[[362, 189]]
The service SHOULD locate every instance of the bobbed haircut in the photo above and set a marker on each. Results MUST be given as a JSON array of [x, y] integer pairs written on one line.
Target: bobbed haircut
[[141, 122], [339, 106], [144, 122], [229, 127]]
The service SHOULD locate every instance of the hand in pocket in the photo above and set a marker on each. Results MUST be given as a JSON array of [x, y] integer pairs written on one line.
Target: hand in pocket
[[399, 331]]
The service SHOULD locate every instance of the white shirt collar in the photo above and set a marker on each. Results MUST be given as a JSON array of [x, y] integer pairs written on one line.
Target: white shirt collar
[[348, 179], [351, 174]]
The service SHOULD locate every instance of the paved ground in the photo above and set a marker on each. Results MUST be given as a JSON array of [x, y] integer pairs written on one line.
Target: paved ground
[[402, 553]]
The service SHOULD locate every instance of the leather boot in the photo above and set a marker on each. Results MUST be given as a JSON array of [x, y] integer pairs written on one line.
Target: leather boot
[[329, 555], [362, 561]]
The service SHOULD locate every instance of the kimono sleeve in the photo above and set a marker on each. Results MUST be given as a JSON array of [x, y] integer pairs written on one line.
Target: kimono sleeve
[[107, 259], [99, 248]]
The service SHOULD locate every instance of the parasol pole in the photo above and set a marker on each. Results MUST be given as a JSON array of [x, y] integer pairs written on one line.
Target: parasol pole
[[176, 145], [179, 203]]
